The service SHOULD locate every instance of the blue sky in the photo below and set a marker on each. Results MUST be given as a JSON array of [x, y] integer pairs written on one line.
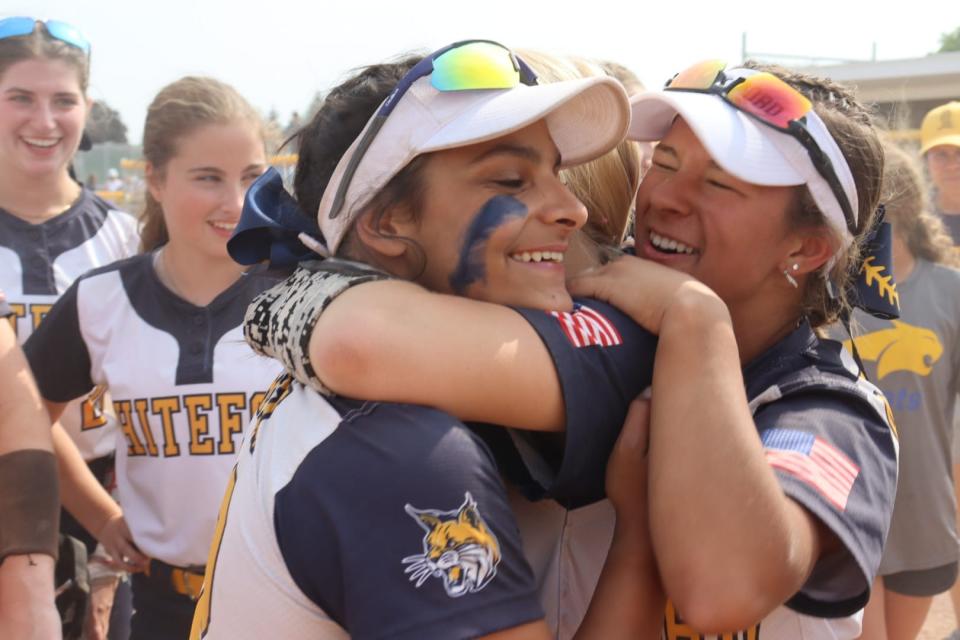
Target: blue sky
[[279, 53]]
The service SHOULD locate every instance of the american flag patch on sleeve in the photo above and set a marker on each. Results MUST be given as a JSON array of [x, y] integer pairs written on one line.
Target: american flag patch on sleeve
[[586, 327], [813, 461]]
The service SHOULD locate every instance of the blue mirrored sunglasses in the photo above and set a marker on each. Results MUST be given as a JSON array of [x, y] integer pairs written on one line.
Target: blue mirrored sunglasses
[[462, 66], [24, 26]]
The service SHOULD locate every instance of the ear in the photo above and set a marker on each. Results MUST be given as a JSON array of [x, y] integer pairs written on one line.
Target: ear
[[812, 249], [384, 234], [431, 521], [154, 181]]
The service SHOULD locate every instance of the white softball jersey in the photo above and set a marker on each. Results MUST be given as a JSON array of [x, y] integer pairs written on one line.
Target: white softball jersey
[[38, 262], [184, 386]]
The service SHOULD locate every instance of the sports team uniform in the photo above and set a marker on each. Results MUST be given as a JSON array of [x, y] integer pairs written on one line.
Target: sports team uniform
[[37, 264], [827, 436], [351, 519], [184, 386], [826, 433], [364, 520], [916, 362]]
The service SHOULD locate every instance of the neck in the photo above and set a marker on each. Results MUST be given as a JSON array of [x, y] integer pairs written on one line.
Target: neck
[[903, 260], [37, 198], [948, 201], [196, 277], [763, 320]]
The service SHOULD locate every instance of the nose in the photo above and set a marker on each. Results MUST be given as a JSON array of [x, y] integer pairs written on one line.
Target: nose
[[562, 207], [43, 116], [233, 198], [666, 193]]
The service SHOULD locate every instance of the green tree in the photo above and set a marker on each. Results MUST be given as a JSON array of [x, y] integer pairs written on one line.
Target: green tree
[[950, 41], [104, 124]]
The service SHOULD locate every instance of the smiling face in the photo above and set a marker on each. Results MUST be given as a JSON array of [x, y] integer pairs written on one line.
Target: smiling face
[[695, 217], [42, 114], [201, 188], [496, 221]]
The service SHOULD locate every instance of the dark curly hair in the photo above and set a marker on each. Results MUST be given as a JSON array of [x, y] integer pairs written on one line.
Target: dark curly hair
[[852, 126]]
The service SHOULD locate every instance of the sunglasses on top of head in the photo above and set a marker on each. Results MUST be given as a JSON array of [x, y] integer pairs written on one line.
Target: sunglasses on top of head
[[24, 26], [773, 102], [468, 65]]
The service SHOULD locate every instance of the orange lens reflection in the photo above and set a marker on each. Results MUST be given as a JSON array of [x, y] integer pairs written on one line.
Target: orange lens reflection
[[770, 99], [700, 76]]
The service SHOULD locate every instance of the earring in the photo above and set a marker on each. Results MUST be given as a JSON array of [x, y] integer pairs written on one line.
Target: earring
[[790, 278]]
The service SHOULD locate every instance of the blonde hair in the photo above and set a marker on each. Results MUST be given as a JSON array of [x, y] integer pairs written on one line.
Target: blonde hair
[[179, 109], [40, 44], [608, 185], [904, 197]]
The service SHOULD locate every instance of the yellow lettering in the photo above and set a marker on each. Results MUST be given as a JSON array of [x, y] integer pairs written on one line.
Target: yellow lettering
[[19, 310], [134, 446], [91, 409], [38, 312], [201, 443], [140, 406], [165, 408], [231, 422], [676, 629]]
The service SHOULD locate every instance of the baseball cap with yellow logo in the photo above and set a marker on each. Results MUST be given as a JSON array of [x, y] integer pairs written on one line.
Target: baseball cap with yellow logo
[[941, 126]]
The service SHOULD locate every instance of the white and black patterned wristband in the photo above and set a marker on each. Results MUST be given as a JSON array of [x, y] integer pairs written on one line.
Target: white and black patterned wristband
[[280, 321]]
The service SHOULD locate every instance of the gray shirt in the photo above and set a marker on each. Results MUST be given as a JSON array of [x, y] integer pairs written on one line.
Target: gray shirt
[[916, 362]]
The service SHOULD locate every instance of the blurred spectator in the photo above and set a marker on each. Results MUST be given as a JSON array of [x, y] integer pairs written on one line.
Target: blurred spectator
[[916, 362], [940, 145], [114, 182]]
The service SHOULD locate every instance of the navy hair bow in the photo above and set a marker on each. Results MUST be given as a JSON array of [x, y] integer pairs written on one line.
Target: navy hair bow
[[874, 290], [270, 225]]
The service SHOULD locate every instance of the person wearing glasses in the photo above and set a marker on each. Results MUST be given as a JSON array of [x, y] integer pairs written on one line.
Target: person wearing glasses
[[767, 508], [52, 230], [940, 147], [161, 331], [362, 519]]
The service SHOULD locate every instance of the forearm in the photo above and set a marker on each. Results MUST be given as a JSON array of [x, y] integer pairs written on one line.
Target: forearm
[[395, 341], [23, 422], [27, 607], [80, 491], [725, 535], [629, 601]]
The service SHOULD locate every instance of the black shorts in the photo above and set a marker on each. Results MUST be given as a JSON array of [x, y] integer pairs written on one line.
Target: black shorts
[[922, 583]]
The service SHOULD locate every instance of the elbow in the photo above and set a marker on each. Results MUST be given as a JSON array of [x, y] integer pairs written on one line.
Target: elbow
[[343, 351], [723, 597], [718, 611]]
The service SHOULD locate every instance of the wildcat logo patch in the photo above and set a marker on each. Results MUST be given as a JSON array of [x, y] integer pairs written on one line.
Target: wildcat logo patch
[[902, 348], [458, 548]]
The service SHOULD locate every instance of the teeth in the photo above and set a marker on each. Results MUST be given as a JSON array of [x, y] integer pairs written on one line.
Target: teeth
[[538, 256], [226, 226], [669, 244], [41, 142]]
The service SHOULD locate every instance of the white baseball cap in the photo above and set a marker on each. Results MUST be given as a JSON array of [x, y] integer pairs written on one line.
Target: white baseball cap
[[586, 118], [748, 149]]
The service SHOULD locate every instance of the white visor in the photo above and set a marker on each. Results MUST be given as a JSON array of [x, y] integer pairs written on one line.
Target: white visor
[[748, 149], [586, 118]]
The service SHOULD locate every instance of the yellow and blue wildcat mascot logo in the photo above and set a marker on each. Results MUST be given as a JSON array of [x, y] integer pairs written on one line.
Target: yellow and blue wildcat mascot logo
[[458, 548]]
